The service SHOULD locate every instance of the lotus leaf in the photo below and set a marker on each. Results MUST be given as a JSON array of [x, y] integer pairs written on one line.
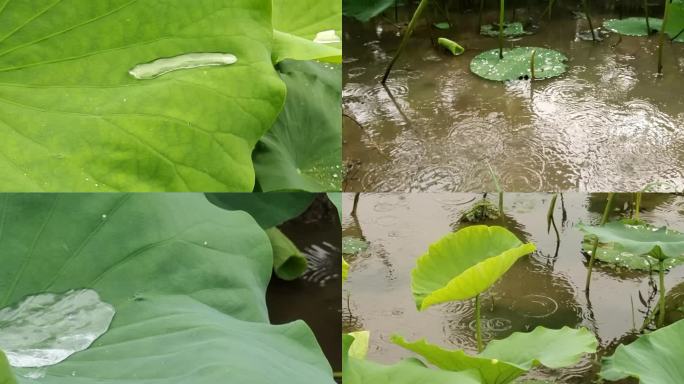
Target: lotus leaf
[[298, 22], [72, 118], [516, 64], [633, 26], [464, 264], [188, 297], [611, 254], [288, 261], [510, 30], [303, 149], [268, 209], [352, 245], [6, 376], [502, 361], [655, 358], [359, 348], [345, 269], [661, 243], [443, 25], [364, 10], [409, 371]]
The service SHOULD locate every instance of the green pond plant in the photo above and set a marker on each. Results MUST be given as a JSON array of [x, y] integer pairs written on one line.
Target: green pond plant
[[407, 35], [662, 244], [463, 265], [655, 358], [186, 278], [592, 256]]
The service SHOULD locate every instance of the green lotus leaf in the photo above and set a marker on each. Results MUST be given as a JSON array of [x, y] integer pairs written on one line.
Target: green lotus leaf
[[188, 297], [336, 199], [297, 23], [641, 239], [352, 245], [633, 26], [6, 376], [288, 261], [510, 30], [652, 359], [443, 25], [409, 371], [613, 254], [502, 361], [72, 117], [303, 150], [516, 64], [364, 10], [464, 264], [359, 348], [268, 209], [451, 46]]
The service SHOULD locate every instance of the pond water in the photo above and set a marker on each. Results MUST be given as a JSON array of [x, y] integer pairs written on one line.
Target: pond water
[[608, 124], [316, 297], [544, 289]]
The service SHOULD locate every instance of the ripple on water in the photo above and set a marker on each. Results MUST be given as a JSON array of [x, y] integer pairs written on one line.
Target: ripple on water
[[435, 178], [323, 265], [535, 306]]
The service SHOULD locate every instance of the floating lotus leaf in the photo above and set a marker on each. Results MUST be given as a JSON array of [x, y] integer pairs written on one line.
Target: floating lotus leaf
[[510, 30], [640, 239], [442, 25], [464, 264], [516, 64], [633, 26], [502, 361], [483, 210], [409, 371], [611, 254], [352, 245], [364, 10], [655, 358]]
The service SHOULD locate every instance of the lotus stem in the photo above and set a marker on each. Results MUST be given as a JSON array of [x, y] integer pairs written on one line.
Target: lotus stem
[[396, 11], [409, 30], [648, 23], [534, 52], [591, 25], [501, 203], [549, 218], [637, 206], [502, 6], [478, 325], [550, 7], [357, 196], [661, 41], [479, 22], [594, 247], [661, 310]]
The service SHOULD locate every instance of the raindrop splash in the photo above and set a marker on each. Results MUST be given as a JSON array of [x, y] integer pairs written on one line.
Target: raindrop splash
[[47, 328], [160, 67]]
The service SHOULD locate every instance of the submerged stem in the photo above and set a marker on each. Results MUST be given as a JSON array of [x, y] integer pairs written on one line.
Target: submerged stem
[[594, 247], [591, 25], [501, 27], [661, 310], [661, 41], [478, 325], [409, 30]]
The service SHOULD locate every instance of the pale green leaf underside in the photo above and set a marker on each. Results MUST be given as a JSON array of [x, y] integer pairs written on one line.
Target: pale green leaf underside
[[73, 119], [6, 376], [189, 298], [655, 358], [502, 361], [464, 264]]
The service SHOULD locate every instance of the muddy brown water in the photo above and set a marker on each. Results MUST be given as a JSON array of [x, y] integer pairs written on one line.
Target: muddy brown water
[[543, 289], [314, 298], [608, 124]]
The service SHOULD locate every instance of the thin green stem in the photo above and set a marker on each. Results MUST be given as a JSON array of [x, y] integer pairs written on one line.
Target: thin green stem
[[534, 52], [661, 41], [637, 206], [661, 311], [648, 23], [409, 30], [478, 325], [479, 20], [594, 246], [502, 8]]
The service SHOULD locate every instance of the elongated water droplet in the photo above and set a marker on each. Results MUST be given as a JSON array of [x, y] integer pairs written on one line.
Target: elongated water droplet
[[327, 37], [159, 67], [47, 328]]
